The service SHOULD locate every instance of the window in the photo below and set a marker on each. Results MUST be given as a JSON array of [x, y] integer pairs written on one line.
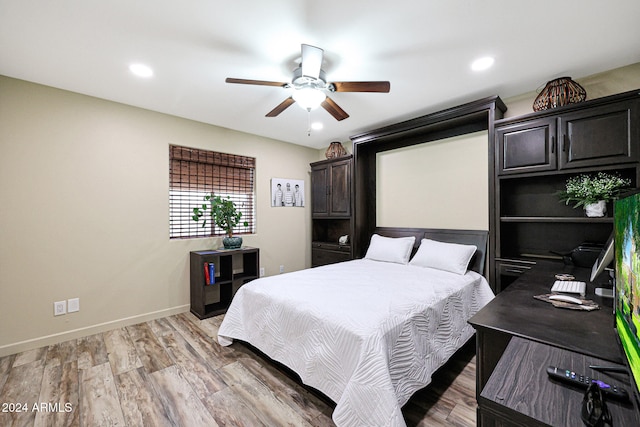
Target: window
[[194, 173]]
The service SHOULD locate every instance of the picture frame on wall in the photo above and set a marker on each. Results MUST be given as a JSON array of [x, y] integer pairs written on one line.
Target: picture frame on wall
[[287, 192]]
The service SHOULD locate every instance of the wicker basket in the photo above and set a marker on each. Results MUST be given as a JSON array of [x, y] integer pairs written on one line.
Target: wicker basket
[[335, 150], [559, 92]]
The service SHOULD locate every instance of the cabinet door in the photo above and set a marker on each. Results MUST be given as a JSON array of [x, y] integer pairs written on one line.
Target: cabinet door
[[320, 191], [527, 147], [599, 136], [340, 189]]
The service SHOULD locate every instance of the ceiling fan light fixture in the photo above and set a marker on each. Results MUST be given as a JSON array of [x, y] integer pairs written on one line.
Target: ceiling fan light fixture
[[309, 86], [309, 98]]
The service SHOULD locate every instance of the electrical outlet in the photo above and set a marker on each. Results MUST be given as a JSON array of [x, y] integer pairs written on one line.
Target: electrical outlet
[[73, 305], [281, 269], [261, 271], [59, 308]]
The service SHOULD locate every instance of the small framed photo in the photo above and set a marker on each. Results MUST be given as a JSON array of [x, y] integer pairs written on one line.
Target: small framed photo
[[287, 192]]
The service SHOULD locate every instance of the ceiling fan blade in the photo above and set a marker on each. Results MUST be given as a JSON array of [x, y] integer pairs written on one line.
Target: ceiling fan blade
[[333, 109], [255, 82], [362, 86], [311, 61], [281, 107]]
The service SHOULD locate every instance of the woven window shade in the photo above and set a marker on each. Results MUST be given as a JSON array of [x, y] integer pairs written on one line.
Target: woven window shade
[[193, 173]]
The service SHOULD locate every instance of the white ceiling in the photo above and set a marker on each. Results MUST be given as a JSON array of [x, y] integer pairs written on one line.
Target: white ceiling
[[423, 47]]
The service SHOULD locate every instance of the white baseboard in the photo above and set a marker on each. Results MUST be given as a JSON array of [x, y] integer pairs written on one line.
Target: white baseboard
[[47, 340]]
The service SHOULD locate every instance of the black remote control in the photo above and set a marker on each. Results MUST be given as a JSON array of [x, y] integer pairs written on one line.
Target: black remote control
[[571, 377]]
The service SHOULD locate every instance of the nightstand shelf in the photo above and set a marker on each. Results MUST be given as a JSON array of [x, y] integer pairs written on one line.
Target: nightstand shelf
[[233, 268]]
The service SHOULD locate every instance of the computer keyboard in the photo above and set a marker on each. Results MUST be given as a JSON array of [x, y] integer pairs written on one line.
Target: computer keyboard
[[569, 287]]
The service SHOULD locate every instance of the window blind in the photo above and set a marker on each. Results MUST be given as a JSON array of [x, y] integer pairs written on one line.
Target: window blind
[[194, 173]]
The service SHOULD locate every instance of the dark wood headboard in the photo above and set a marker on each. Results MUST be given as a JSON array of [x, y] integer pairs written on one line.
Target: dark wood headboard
[[478, 238]]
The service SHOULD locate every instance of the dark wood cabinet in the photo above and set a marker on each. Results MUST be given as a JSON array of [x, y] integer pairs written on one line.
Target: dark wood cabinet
[[320, 182], [600, 136], [331, 210], [596, 136], [328, 253], [331, 188], [527, 147], [536, 154], [232, 268]]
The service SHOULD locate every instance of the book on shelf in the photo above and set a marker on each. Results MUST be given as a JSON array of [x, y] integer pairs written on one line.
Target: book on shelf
[[206, 273], [212, 273], [209, 273]]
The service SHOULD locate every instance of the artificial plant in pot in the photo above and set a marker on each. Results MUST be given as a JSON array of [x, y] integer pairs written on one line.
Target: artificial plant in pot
[[593, 191], [224, 214]]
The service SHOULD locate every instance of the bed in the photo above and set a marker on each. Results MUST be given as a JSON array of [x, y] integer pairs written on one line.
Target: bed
[[370, 332]]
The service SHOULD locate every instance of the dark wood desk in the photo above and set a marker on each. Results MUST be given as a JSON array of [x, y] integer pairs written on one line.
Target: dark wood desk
[[515, 313], [520, 393]]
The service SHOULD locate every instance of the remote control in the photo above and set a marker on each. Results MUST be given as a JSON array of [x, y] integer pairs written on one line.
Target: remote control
[[571, 377]]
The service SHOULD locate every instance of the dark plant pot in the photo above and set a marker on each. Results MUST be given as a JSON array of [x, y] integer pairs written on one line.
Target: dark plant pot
[[232, 242]]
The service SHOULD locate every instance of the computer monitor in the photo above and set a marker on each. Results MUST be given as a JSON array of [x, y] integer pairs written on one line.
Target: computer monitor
[[604, 259], [626, 224]]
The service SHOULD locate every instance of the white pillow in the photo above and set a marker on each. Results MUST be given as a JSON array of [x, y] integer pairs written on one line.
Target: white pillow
[[390, 249], [451, 257]]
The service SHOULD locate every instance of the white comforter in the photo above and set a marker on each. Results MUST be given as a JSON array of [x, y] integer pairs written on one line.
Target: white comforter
[[367, 334]]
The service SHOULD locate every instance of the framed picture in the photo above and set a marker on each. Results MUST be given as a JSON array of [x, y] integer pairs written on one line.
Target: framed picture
[[287, 192]]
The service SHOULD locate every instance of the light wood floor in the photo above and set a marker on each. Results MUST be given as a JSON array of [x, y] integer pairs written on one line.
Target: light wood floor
[[172, 372]]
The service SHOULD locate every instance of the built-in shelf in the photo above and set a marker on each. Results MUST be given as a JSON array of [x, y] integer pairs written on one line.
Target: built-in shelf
[[332, 210], [535, 155], [556, 219]]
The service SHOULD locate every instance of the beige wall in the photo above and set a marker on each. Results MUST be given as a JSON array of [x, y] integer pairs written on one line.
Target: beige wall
[[440, 184], [84, 212]]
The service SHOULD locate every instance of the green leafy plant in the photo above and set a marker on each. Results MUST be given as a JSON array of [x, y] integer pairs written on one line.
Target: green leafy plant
[[223, 213], [587, 189]]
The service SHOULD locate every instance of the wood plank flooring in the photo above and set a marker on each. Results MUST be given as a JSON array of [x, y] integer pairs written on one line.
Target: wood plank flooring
[[172, 372]]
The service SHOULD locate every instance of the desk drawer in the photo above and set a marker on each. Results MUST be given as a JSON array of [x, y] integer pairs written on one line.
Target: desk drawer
[[331, 247], [321, 256], [514, 267]]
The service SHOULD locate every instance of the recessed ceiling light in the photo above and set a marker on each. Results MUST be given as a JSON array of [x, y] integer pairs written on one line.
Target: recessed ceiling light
[[482, 64], [317, 125], [141, 70]]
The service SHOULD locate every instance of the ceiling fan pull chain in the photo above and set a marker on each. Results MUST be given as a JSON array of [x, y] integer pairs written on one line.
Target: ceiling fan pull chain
[[308, 121]]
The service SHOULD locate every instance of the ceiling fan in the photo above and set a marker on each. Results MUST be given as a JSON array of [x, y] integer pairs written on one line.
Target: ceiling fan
[[310, 86]]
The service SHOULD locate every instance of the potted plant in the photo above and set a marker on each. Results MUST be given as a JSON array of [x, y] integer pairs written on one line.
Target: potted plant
[[593, 191], [224, 214]]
